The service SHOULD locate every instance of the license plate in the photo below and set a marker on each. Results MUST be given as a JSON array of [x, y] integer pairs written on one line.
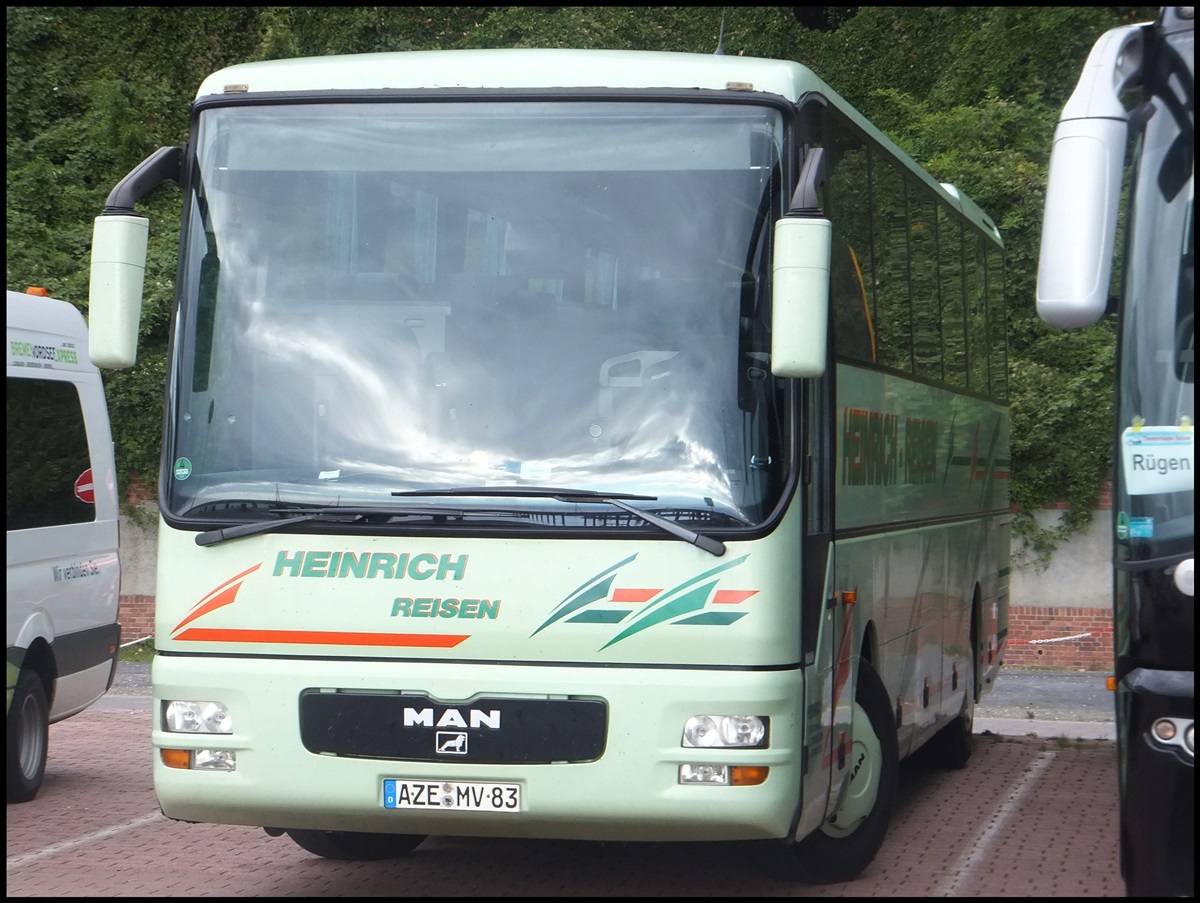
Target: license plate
[[461, 796]]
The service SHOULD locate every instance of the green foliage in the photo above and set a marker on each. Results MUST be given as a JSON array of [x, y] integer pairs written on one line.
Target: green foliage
[[972, 93], [138, 652], [1062, 398]]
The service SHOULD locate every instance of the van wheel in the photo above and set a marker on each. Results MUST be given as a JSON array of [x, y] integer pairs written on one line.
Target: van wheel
[[846, 844], [357, 846], [28, 737]]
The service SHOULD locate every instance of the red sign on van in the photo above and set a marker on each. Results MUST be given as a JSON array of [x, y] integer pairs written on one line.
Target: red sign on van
[[85, 490]]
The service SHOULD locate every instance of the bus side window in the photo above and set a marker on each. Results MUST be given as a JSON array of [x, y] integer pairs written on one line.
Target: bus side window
[[890, 231], [854, 329]]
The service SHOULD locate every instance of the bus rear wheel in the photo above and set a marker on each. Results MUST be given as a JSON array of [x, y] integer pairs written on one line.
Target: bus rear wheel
[[355, 846], [848, 841], [28, 737]]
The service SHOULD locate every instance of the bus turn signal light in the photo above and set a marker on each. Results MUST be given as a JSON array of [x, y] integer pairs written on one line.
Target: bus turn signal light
[[177, 758], [747, 775]]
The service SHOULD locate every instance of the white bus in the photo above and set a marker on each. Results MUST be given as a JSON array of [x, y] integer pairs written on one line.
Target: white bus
[[63, 573], [565, 444]]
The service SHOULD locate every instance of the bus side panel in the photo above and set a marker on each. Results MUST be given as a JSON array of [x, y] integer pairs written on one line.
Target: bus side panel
[[915, 587], [922, 516]]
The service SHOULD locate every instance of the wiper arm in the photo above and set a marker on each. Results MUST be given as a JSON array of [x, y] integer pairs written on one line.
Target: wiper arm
[[212, 537], [330, 515], [707, 543], [528, 492], [616, 499]]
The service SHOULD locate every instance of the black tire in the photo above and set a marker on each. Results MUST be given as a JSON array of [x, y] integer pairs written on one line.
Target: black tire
[[28, 737], [836, 852], [355, 846], [951, 746]]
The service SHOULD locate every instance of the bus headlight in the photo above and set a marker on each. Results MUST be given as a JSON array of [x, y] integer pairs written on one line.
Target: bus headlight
[[189, 717], [726, 731]]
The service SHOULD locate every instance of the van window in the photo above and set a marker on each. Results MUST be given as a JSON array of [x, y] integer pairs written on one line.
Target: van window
[[47, 452]]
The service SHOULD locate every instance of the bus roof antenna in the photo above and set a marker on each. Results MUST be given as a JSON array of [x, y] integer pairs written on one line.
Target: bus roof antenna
[[721, 37]]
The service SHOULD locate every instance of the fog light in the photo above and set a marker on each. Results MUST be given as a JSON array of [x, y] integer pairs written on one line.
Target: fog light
[[703, 774], [1177, 732], [1164, 730], [214, 760]]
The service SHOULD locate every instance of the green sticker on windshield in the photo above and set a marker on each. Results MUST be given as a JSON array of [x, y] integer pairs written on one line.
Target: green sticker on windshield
[[1122, 526], [183, 469]]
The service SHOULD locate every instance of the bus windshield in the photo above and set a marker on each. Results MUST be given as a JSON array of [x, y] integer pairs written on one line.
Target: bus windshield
[[1156, 388], [381, 298]]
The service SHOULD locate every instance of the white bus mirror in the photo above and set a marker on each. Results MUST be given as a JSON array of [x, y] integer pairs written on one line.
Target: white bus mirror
[[115, 294], [1080, 221], [1083, 192], [800, 302]]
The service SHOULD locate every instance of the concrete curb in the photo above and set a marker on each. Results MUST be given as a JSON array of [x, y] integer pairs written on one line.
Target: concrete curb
[[1025, 727]]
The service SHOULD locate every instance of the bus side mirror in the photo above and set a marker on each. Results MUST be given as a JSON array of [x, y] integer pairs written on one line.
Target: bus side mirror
[[115, 294], [1083, 192], [119, 241], [800, 300], [1079, 225]]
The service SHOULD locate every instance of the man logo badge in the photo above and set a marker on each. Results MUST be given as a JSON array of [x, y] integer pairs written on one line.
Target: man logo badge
[[452, 742]]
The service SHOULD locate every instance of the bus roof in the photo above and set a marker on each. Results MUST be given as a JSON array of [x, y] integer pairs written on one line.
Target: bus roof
[[516, 68]]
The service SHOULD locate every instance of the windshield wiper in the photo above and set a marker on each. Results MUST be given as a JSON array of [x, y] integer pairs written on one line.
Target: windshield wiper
[[334, 515], [576, 496]]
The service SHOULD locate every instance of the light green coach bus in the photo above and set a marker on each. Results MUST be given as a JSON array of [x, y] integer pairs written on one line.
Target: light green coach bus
[[565, 444]]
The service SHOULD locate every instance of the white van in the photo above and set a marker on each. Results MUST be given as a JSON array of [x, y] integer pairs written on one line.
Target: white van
[[64, 576]]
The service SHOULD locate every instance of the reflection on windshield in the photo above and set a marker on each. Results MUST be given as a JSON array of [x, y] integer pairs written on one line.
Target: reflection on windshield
[[380, 321]]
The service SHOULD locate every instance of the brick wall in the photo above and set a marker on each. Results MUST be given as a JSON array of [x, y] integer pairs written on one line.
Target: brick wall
[[1049, 637], [136, 616], [1079, 638]]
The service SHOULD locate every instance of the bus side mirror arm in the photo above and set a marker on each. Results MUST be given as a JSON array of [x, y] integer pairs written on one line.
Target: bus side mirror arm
[[164, 165], [119, 241], [807, 196]]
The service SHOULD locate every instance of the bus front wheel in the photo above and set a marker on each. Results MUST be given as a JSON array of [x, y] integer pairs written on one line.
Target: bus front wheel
[[845, 845], [355, 846], [28, 737]]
